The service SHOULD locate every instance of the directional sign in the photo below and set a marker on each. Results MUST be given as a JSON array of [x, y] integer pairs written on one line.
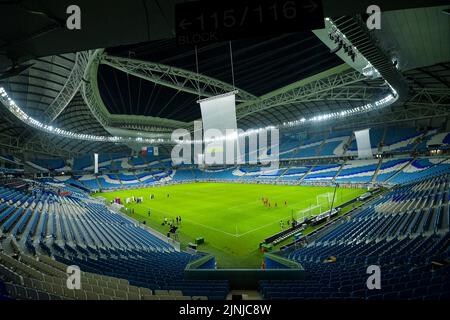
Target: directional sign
[[211, 21]]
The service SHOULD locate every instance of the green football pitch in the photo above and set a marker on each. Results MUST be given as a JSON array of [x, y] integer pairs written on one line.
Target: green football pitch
[[231, 218]]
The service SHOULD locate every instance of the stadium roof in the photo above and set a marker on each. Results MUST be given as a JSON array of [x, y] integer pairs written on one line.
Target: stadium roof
[[271, 75], [260, 66]]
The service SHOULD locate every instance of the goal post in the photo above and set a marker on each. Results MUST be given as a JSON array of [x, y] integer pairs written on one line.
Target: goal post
[[323, 204], [312, 210], [325, 199]]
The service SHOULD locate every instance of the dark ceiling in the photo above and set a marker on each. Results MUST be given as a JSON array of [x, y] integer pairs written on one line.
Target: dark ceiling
[[76, 117], [31, 29], [260, 66]]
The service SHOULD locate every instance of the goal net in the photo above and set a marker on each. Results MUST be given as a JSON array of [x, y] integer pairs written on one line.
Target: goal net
[[323, 204], [326, 199]]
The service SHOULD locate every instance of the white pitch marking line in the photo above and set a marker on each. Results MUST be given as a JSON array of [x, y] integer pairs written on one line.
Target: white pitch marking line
[[245, 233], [269, 224], [199, 224], [211, 228], [256, 229]]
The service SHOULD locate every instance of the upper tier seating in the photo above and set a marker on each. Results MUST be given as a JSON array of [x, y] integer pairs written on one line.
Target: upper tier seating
[[391, 139], [420, 168], [109, 181], [308, 148], [82, 163], [390, 167], [131, 179], [288, 144], [440, 139], [323, 145], [70, 181], [51, 164], [181, 175], [323, 172], [333, 147], [12, 171], [358, 171], [376, 137], [89, 181], [121, 181], [400, 139], [221, 174], [129, 176], [63, 184], [106, 162], [147, 178], [295, 173], [10, 159], [149, 161]]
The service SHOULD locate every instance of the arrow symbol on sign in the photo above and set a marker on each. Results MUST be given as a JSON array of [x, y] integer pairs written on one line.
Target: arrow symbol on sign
[[312, 6], [184, 24]]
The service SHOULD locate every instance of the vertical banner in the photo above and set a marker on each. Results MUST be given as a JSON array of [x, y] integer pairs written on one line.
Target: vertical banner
[[95, 163], [155, 151], [220, 129], [363, 143]]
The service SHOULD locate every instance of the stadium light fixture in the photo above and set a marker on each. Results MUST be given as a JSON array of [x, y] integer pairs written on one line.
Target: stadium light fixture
[[379, 104], [384, 102], [340, 39], [21, 115]]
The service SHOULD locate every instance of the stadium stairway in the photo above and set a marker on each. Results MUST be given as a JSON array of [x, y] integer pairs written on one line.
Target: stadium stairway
[[283, 172], [374, 177], [307, 173], [339, 171], [383, 138], [397, 172]]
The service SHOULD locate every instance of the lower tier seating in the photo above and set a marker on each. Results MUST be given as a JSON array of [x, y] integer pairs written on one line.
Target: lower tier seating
[[405, 233]]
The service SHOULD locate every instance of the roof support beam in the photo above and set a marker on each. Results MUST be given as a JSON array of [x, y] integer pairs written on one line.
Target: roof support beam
[[424, 104], [92, 98], [71, 87], [333, 84], [175, 78]]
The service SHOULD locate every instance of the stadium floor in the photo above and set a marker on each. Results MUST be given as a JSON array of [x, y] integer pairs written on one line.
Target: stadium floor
[[231, 218]]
